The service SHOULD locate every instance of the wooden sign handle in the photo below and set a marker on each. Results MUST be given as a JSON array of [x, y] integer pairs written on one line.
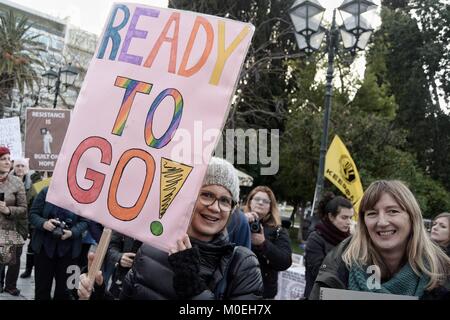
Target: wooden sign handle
[[99, 254]]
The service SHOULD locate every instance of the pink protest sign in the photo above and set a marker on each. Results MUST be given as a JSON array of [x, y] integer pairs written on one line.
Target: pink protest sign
[[156, 73]]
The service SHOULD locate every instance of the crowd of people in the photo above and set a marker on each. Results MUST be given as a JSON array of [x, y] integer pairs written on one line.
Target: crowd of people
[[229, 251]]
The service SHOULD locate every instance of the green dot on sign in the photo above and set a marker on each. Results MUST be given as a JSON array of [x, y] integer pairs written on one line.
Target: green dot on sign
[[156, 228]]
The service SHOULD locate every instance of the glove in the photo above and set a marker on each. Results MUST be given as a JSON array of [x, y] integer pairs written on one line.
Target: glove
[[186, 266]]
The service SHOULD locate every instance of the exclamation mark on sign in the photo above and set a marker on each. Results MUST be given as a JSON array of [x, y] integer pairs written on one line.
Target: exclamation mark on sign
[[173, 177]]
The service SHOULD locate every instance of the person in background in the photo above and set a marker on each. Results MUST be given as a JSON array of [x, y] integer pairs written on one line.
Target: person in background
[[121, 252], [440, 232], [22, 171], [270, 242], [13, 214], [239, 229], [91, 237], [203, 265], [35, 177], [336, 214], [57, 245], [391, 238]]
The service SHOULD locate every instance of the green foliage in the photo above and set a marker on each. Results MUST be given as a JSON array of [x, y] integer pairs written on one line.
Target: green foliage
[[260, 96], [393, 127], [433, 17], [372, 97], [18, 56]]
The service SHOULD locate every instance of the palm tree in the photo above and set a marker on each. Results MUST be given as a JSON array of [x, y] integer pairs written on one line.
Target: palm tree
[[19, 56]]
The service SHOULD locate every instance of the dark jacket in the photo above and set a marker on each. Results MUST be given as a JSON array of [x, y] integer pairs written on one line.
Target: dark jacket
[[118, 245], [316, 250], [151, 277], [334, 274], [41, 211], [274, 255], [239, 229]]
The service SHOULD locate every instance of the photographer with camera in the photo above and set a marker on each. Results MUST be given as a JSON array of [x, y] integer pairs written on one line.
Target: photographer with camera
[[270, 242], [56, 242]]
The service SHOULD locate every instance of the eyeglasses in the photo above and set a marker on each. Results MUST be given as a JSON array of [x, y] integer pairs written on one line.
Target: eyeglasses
[[208, 199], [264, 201]]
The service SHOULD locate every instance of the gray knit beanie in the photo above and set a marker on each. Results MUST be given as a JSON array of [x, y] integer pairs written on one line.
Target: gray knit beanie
[[222, 173]]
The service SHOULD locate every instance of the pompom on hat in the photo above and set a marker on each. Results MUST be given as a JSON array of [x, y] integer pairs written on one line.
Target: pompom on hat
[[221, 172]]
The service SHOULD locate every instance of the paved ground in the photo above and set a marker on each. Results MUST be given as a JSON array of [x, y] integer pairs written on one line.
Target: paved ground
[[26, 286]]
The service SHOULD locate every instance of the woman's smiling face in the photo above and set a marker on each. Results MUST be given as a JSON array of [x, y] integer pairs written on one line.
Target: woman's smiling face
[[211, 213], [389, 226]]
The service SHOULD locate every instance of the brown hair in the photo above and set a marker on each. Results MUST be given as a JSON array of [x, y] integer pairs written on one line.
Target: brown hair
[[332, 204], [444, 215], [273, 217]]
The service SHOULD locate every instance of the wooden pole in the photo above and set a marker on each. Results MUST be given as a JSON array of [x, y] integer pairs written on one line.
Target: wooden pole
[[99, 254]]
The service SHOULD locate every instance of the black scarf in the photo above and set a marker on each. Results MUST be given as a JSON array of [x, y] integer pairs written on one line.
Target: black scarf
[[211, 253], [330, 233]]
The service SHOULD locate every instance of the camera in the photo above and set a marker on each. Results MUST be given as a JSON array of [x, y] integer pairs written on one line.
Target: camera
[[255, 226], [60, 227]]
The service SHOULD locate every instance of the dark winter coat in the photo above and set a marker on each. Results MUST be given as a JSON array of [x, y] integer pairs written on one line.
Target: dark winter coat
[[239, 229], [316, 250], [118, 245], [274, 255], [334, 274], [152, 277], [41, 211]]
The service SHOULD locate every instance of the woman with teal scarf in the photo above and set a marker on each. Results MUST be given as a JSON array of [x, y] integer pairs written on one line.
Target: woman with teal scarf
[[390, 251]]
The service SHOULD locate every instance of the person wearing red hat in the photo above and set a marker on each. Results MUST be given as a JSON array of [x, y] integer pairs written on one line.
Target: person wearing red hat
[[13, 207]]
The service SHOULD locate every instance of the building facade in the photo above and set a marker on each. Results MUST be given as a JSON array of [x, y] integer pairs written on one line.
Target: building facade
[[62, 44]]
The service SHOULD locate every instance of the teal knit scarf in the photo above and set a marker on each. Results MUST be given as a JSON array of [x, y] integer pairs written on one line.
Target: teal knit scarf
[[404, 282]]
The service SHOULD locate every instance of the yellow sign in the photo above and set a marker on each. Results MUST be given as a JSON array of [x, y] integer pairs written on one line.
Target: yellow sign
[[341, 171], [38, 186]]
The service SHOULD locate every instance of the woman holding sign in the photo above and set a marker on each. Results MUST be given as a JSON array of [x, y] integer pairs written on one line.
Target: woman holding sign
[[390, 251], [204, 264]]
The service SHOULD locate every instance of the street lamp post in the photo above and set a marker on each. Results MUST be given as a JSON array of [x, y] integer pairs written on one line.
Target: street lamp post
[[307, 16], [53, 80]]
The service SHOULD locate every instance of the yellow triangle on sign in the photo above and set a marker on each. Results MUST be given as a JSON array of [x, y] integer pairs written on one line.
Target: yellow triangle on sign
[[173, 177]]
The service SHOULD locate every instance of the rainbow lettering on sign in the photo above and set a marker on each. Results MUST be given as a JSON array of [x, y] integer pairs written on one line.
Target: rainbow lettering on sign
[[132, 87], [122, 21], [176, 118]]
